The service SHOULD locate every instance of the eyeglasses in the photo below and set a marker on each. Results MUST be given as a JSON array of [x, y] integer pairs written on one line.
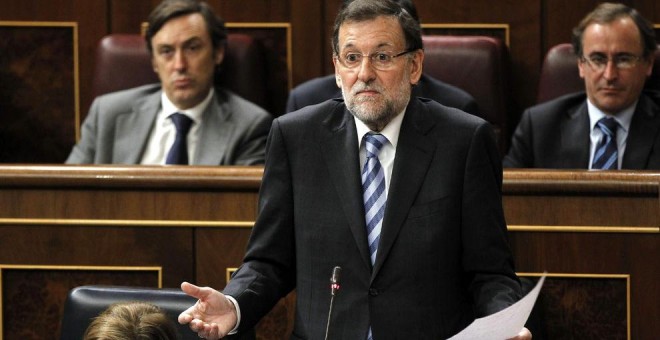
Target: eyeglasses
[[598, 62], [379, 60]]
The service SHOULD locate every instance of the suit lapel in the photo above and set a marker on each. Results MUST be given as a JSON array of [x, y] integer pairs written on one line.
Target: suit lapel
[[133, 130], [338, 145], [575, 132], [216, 131], [644, 128], [414, 153]]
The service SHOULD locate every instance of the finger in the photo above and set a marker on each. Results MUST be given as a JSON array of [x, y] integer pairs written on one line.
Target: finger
[[195, 291], [197, 326], [186, 316]]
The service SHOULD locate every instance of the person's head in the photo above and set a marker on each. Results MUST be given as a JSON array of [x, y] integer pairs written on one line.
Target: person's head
[[615, 47], [378, 55], [131, 321], [186, 41], [408, 5]]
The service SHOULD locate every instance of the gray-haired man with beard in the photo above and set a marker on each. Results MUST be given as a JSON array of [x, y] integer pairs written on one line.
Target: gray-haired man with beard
[[402, 193]]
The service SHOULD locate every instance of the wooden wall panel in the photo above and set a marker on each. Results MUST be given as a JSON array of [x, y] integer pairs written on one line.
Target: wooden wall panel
[[594, 232], [90, 17], [535, 26]]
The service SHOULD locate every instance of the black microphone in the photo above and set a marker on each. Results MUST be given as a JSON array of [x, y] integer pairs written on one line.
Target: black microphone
[[334, 288]]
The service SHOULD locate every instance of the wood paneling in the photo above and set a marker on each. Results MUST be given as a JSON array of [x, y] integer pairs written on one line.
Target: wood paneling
[[589, 223], [595, 233]]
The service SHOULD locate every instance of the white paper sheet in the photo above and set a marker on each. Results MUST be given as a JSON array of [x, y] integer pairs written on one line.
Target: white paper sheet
[[504, 324]]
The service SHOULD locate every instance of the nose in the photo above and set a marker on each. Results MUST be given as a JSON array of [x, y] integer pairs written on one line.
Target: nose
[[610, 72], [180, 62], [366, 72]]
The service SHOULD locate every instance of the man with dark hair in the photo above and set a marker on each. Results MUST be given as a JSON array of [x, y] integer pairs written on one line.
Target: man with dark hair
[[320, 89], [615, 124], [184, 119], [419, 233]]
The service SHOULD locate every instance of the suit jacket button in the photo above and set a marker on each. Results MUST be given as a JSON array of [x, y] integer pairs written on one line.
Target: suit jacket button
[[373, 291]]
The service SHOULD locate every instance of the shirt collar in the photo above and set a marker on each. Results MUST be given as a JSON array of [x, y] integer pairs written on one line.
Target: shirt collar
[[195, 112], [623, 117], [391, 130]]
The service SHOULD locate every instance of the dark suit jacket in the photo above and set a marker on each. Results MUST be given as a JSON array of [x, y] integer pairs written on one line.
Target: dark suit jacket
[[555, 135], [321, 89], [118, 126], [443, 256]]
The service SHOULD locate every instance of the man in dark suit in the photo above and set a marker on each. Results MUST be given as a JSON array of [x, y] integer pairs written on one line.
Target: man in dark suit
[[420, 235], [320, 89], [615, 48], [184, 119]]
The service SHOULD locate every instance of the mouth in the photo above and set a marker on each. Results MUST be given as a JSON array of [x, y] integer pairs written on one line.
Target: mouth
[[610, 90], [367, 92], [182, 82]]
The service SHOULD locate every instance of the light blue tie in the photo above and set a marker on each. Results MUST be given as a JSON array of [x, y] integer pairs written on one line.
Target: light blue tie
[[374, 195], [606, 155]]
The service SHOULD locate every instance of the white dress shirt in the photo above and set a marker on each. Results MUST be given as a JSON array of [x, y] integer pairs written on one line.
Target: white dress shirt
[[163, 133], [623, 118], [387, 153]]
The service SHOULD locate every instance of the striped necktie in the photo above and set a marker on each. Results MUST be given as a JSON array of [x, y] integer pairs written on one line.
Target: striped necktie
[[373, 194], [373, 189], [606, 154]]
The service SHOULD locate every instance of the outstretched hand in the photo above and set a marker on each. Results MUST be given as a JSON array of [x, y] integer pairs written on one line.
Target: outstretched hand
[[212, 316]]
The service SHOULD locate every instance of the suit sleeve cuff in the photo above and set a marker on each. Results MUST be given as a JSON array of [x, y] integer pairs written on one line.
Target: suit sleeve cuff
[[238, 314]]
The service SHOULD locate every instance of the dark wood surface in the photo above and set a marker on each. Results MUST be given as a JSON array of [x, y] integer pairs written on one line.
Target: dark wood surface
[[595, 233]]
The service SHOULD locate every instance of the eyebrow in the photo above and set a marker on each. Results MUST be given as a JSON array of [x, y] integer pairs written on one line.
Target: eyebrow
[[190, 40], [381, 45]]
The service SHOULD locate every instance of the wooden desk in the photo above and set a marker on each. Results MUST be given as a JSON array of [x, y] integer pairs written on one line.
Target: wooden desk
[[63, 226], [596, 234]]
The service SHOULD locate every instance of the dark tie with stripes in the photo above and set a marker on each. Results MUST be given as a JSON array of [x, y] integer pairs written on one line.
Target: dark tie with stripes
[[606, 156], [178, 153]]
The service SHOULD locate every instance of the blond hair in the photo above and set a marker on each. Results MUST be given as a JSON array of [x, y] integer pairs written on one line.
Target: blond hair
[[131, 321]]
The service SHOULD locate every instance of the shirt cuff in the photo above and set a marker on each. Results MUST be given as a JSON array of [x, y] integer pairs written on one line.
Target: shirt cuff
[[238, 314]]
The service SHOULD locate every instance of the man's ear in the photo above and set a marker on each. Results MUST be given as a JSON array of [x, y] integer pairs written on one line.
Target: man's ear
[[219, 55], [580, 68], [337, 76], [416, 63]]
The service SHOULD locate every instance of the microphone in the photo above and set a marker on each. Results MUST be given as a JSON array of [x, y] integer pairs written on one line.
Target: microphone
[[334, 289], [334, 280]]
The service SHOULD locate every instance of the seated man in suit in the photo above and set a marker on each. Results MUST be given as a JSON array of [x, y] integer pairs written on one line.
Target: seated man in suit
[[184, 119], [615, 124], [323, 88], [419, 234]]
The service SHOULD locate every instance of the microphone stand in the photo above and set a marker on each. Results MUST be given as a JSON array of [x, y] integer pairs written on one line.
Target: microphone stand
[[334, 288]]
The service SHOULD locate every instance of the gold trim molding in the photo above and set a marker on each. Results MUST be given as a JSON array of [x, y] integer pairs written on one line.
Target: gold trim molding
[[3, 267], [585, 229], [250, 224], [76, 74], [229, 272], [467, 26], [124, 223]]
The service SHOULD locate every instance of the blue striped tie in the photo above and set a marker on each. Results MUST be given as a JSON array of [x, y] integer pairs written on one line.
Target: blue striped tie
[[606, 155], [373, 189], [374, 195]]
